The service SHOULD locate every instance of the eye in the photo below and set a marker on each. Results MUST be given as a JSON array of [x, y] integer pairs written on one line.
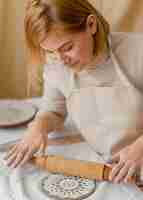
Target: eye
[[49, 52]]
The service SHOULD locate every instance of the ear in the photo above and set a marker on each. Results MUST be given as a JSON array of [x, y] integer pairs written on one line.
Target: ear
[[91, 23]]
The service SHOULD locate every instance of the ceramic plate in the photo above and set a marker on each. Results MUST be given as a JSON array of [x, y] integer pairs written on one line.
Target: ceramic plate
[[15, 114], [63, 187]]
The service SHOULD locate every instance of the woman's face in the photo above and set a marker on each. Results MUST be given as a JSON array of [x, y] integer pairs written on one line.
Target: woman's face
[[74, 49]]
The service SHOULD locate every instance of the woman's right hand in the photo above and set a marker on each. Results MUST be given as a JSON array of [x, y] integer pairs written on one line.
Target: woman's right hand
[[22, 152]]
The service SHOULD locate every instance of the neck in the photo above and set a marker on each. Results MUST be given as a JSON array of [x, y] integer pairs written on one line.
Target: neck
[[96, 61], [101, 58]]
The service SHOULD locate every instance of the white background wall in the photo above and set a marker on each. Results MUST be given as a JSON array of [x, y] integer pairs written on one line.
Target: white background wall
[[13, 67]]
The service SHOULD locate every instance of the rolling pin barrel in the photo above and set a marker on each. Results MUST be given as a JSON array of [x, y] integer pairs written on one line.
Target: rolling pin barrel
[[85, 169]]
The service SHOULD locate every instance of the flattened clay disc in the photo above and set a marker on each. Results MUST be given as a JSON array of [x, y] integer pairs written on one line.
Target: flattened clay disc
[[16, 114], [62, 187]]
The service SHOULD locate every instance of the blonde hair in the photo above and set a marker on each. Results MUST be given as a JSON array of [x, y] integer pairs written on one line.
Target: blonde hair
[[72, 14]]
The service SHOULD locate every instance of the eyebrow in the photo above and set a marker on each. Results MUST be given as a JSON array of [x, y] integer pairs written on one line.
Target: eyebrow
[[52, 51]]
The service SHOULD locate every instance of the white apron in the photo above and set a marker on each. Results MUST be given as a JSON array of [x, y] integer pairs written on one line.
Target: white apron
[[107, 115], [108, 118]]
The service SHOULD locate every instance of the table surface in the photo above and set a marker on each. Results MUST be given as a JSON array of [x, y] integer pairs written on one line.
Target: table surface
[[12, 134]]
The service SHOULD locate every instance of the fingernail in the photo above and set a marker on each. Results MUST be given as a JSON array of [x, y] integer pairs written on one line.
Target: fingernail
[[116, 181], [126, 180], [109, 165], [109, 161]]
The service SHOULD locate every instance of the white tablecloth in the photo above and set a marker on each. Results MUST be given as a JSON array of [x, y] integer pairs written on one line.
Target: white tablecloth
[[16, 133], [23, 184]]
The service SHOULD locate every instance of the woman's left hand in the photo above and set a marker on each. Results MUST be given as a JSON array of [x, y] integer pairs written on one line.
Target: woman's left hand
[[127, 162]]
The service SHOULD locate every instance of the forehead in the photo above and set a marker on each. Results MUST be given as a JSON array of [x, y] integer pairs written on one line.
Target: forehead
[[57, 37]]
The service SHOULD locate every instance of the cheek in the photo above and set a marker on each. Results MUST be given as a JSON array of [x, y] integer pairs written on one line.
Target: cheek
[[85, 52], [86, 47], [80, 51], [79, 55]]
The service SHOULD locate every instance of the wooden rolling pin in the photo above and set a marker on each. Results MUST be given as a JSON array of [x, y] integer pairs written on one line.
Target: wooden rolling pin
[[85, 169]]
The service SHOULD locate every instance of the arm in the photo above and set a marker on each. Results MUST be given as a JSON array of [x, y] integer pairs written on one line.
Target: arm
[[47, 122], [49, 118], [52, 112]]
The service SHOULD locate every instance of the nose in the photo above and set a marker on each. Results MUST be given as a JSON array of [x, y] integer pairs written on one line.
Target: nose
[[56, 56], [66, 59]]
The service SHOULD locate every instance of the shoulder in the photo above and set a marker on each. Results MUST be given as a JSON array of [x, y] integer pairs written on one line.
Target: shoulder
[[126, 41], [128, 49]]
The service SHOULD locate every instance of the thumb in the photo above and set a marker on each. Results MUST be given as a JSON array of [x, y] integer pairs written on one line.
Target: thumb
[[114, 159], [42, 148]]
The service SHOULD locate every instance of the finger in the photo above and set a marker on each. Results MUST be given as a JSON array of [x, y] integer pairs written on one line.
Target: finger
[[11, 146], [43, 148], [109, 165], [122, 173], [45, 143], [13, 156], [10, 152], [27, 157], [18, 159], [115, 170], [11, 159], [131, 173]]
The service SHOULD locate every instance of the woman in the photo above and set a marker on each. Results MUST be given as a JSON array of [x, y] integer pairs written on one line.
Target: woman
[[96, 78]]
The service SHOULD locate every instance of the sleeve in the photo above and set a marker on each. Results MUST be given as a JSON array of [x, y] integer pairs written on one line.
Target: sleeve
[[53, 100]]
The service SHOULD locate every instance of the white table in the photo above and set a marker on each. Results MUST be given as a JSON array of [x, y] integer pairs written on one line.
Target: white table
[[26, 187]]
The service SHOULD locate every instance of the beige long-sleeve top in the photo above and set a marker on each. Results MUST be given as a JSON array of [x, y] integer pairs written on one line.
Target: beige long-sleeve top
[[128, 50]]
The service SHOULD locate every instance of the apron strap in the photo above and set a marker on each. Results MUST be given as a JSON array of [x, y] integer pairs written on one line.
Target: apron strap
[[124, 77]]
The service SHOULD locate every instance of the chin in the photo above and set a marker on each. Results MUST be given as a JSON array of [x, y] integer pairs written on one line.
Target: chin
[[75, 66], [78, 66]]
